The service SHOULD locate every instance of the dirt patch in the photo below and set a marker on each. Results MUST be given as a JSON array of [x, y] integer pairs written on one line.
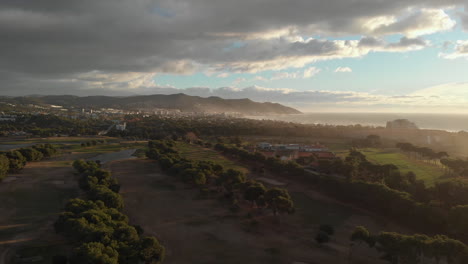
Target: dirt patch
[[30, 205]]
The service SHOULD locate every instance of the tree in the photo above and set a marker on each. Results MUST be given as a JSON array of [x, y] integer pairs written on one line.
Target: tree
[[254, 192], [31, 154], [95, 253], [231, 179], [459, 219], [106, 195], [4, 166], [199, 179], [362, 234], [17, 160], [279, 201], [151, 251]]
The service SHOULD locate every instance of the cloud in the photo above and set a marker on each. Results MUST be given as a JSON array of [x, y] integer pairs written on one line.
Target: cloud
[[460, 51], [423, 22], [307, 73], [343, 69], [51, 40], [464, 18], [223, 75], [310, 72]]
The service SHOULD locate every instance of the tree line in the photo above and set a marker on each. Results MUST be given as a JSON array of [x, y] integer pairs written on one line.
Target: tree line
[[412, 249], [407, 200], [96, 226], [422, 152], [51, 125], [159, 127], [14, 161], [213, 178]]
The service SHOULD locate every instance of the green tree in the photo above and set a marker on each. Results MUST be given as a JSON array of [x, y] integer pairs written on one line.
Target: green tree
[[95, 253], [4, 166], [31, 154], [279, 201], [107, 196], [17, 160], [254, 192], [151, 251]]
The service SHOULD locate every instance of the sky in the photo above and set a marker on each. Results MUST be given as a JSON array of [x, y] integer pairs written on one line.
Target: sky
[[327, 56]]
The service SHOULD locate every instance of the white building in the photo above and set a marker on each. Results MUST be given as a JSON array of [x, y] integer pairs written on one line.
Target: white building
[[121, 127]]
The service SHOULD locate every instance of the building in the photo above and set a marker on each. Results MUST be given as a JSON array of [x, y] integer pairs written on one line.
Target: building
[[401, 124], [121, 127], [288, 152], [265, 145]]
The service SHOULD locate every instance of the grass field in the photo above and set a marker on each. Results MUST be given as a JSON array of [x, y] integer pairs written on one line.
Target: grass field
[[429, 173], [195, 152]]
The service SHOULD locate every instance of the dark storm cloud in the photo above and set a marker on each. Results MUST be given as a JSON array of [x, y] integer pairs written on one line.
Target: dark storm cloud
[[48, 43]]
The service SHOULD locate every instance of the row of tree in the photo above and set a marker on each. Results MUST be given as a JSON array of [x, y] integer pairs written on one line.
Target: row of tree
[[443, 206], [14, 160], [93, 143], [456, 167], [51, 125], [231, 183], [98, 229], [257, 159], [422, 152], [412, 249]]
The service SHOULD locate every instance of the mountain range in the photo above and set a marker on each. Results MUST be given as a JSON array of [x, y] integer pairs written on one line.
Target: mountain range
[[182, 102]]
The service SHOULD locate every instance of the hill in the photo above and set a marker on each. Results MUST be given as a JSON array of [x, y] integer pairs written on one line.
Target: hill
[[183, 102]]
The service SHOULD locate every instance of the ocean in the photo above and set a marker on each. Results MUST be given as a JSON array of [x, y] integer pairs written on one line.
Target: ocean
[[448, 122]]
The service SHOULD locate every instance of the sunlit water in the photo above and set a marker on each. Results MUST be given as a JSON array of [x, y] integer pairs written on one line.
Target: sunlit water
[[449, 122]]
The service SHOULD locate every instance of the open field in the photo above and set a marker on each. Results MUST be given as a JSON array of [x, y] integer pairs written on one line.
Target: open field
[[31, 201], [429, 173], [200, 231], [33, 198], [196, 152]]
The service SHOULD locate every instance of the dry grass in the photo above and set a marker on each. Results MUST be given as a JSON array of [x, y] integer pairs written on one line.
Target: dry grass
[[205, 231]]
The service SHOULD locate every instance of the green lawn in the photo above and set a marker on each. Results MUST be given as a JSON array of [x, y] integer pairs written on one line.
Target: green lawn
[[424, 171], [195, 152]]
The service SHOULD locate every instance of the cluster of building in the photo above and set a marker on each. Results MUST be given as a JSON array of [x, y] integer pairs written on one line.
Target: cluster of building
[[4, 117], [287, 152]]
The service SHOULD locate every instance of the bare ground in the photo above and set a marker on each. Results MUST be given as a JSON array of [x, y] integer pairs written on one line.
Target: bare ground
[[30, 204]]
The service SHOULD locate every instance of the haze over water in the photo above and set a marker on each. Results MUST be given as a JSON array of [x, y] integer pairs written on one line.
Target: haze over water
[[449, 122]]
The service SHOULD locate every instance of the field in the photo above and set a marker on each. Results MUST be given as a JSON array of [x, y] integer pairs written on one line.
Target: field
[[204, 231], [194, 230], [196, 152], [33, 198], [31, 201], [429, 173]]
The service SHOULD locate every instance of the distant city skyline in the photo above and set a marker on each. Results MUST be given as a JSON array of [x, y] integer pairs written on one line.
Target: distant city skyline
[[337, 55]]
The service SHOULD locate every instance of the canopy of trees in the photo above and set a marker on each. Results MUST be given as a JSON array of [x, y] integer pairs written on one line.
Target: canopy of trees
[[411, 249], [98, 227], [229, 182]]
